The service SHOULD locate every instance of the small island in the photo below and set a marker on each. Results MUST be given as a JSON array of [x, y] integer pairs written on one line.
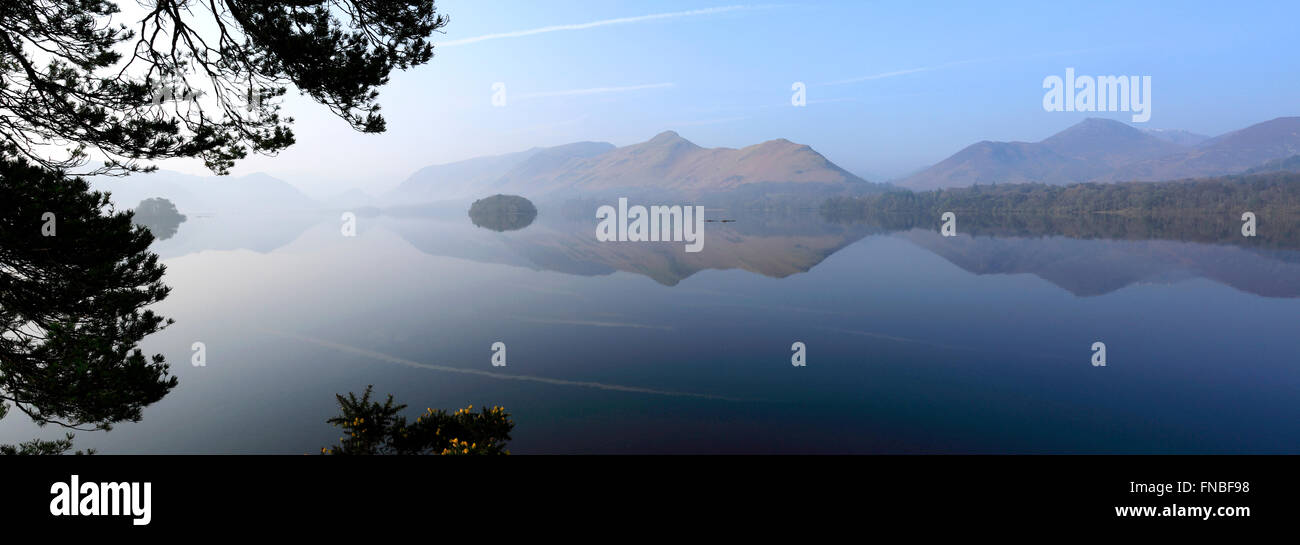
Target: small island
[[503, 212], [159, 216]]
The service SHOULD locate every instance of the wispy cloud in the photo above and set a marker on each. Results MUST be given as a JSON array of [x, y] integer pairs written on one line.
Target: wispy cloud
[[594, 24], [596, 90], [906, 71]]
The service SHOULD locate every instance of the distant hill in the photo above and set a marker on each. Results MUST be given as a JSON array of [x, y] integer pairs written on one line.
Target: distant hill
[[227, 194], [1103, 150], [479, 176], [1230, 153], [1090, 149], [665, 163]]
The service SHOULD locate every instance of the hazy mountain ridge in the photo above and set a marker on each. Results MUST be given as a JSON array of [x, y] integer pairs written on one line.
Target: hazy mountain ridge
[[226, 194], [453, 180], [1082, 152], [1229, 153], [666, 162], [1102, 150]]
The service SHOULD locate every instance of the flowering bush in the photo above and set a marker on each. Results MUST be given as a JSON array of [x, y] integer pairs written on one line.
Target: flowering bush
[[375, 428]]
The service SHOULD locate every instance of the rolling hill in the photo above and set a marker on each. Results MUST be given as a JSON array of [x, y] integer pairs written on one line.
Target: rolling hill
[[1088, 150], [665, 163], [1101, 150], [1230, 153]]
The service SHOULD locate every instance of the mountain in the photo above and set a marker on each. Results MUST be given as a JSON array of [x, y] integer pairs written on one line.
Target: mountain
[[205, 194], [476, 177], [665, 163], [999, 162], [1230, 153], [1108, 143], [1090, 149], [670, 162]]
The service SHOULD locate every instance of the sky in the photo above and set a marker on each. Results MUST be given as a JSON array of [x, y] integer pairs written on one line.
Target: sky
[[891, 87]]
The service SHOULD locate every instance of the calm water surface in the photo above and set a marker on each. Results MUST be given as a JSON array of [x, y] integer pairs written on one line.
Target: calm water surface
[[915, 342]]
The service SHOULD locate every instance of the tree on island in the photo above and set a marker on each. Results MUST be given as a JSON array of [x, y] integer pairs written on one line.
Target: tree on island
[[160, 216], [503, 212]]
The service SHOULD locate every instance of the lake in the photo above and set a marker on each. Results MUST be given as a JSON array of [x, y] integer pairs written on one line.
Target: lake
[[915, 342]]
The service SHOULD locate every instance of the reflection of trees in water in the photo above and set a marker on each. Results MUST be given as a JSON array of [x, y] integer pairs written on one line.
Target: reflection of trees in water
[[160, 216], [1206, 210], [1186, 226], [72, 307], [503, 212]]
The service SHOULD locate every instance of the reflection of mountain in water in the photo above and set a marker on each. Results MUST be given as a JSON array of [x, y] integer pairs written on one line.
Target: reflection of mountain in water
[[260, 233], [781, 245], [1080, 259], [770, 246], [1096, 267]]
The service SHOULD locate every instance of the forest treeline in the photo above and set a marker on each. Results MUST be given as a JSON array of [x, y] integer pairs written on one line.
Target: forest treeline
[[1199, 210]]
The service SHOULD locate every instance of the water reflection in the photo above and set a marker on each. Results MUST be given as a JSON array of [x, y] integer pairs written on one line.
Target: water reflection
[[916, 343], [1084, 257], [1089, 267]]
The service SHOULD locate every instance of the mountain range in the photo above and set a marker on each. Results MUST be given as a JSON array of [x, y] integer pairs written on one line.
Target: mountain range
[[665, 163], [1094, 150], [1102, 150]]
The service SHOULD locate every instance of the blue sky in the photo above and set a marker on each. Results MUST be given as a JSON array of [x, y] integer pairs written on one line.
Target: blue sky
[[892, 86]]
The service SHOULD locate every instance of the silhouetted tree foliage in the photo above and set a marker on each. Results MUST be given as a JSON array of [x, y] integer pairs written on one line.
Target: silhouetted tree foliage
[[160, 216], [73, 305], [1199, 210], [193, 78], [375, 428], [503, 212], [39, 447], [189, 78]]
